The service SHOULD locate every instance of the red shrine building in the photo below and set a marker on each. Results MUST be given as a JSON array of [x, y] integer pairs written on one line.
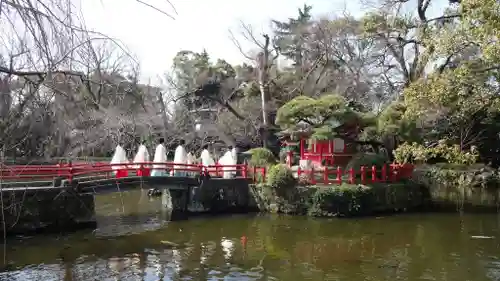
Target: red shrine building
[[334, 152]]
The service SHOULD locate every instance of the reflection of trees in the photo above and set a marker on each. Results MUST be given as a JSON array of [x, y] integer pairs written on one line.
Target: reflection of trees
[[207, 250], [284, 248], [40, 272]]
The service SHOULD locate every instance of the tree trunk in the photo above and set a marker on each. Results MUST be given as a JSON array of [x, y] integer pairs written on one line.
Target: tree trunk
[[164, 118], [263, 69]]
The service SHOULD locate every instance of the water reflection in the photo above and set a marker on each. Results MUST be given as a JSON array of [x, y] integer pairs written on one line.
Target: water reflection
[[130, 212], [227, 247], [413, 247]]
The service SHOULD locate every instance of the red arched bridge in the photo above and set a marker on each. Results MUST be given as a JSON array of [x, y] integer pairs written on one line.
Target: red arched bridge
[[96, 174]]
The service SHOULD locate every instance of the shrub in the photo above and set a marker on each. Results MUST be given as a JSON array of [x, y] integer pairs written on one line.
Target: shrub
[[258, 176], [442, 152], [261, 157], [280, 177], [339, 200], [367, 160]]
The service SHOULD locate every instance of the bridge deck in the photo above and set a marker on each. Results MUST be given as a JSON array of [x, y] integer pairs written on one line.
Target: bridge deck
[[135, 182], [105, 185]]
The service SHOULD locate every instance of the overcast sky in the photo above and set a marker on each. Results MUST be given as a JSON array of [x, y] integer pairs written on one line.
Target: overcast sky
[[155, 39]]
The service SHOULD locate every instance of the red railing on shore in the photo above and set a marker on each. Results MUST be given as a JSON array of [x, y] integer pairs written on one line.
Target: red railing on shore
[[388, 173]]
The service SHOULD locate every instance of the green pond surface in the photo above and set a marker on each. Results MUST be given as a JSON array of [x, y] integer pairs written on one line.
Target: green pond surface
[[135, 241]]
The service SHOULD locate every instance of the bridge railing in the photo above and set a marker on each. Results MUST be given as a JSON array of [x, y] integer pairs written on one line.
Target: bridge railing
[[107, 170], [325, 175], [218, 170]]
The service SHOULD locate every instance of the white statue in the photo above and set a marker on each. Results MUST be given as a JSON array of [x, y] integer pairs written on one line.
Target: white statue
[[234, 156], [142, 156], [119, 157], [207, 160], [227, 161], [160, 157], [180, 157], [206, 157]]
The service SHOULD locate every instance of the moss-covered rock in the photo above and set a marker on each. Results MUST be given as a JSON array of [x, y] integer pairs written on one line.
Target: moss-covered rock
[[461, 187], [342, 200]]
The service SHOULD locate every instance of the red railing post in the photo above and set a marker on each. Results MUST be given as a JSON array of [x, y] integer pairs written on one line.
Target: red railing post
[[312, 176], [290, 156], [321, 153], [244, 172], [384, 173], [59, 169], [363, 175], [399, 171], [147, 170], [70, 172], [141, 170], [339, 175], [325, 175], [392, 171], [302, 148], [352, 175], [374, 174]]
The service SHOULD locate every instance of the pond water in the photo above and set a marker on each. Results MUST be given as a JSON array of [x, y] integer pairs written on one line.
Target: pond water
[[135, 241]]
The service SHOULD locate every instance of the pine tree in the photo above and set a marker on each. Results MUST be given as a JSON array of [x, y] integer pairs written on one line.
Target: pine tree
[[291, 35]]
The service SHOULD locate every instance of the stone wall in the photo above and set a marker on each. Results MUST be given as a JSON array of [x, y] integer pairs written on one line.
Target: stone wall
[[35, 210], [29, 209], [339, 200], [470, 190], [177, 202], [221, 195]]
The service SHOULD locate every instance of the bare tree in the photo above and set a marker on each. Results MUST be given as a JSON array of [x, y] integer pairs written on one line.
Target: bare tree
[[51, 66], [264, 60]]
